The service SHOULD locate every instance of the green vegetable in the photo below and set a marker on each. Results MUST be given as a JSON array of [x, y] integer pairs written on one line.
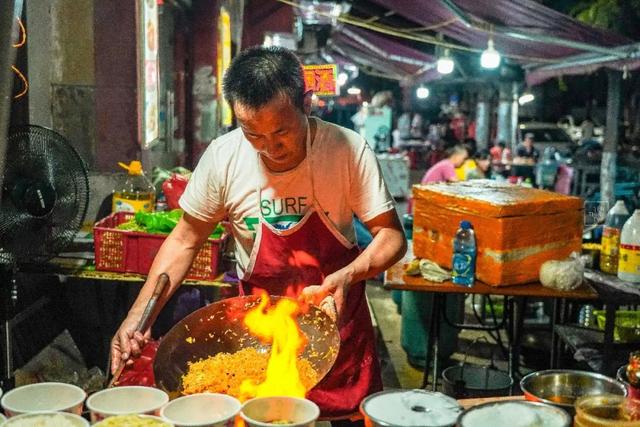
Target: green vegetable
[[160, 223]]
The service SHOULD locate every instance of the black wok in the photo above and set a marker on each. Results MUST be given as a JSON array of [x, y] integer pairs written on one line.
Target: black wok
[[219, 327]]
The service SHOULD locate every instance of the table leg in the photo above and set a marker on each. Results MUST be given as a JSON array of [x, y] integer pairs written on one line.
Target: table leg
[[517, 319], [558, 310], [610, 316], [429, 343], [438, 305]]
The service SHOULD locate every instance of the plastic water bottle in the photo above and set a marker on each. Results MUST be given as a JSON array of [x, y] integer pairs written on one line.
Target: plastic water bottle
[[616, 218], [464, 255]]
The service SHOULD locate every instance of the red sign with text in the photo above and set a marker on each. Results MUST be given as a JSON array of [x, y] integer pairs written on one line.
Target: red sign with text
[[321, 79]]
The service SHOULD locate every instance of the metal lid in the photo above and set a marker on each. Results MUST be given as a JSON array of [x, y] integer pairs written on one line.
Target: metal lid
[[402, 408]]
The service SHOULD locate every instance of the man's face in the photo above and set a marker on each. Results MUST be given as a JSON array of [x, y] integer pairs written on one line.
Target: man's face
[[458, 159], [276, 130], [528, 142]]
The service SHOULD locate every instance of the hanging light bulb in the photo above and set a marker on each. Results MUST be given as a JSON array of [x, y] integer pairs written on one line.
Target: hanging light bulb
[[526, 98], [490, 57], [445, 64], [422, 92]]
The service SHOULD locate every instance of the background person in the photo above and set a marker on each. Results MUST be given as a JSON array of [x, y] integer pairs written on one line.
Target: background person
[[445, 170]]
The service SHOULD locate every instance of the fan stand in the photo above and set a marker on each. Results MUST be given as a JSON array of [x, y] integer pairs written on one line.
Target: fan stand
[[8, 292]]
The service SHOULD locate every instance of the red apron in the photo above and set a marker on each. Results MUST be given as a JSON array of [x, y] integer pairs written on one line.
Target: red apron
[[283, 262]]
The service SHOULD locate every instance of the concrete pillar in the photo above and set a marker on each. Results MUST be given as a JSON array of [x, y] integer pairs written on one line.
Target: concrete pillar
[[204, 94], [483, 109], [7, 57], [41, 57], [515, 93], [116, 83], [504, 115], [612, 134]]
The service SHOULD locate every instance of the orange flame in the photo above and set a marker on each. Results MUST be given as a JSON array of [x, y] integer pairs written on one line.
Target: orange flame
[[277, 325]]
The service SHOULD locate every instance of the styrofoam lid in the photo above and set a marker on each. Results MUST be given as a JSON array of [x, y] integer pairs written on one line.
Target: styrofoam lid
[[412, 408]]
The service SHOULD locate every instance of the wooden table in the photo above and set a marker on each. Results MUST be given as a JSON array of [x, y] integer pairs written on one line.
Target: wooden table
[[396, 279]]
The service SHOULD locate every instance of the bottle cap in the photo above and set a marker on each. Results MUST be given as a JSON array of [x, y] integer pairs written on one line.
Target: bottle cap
[[465, 225], [134, 168]]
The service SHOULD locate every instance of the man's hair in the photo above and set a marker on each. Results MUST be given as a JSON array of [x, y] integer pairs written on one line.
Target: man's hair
[[260, 74], [457, 149]]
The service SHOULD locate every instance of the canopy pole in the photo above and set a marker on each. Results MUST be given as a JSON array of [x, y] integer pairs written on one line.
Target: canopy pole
[[483, 108], [504, 116], [612, 134]]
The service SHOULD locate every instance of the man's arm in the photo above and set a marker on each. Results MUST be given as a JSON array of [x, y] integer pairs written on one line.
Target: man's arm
[[387, 247], [174, 258]]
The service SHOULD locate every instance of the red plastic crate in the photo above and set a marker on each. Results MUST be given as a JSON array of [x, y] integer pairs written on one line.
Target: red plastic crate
[[133, 252]]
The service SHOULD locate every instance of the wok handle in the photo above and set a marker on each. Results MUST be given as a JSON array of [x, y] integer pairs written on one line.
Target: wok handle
[[163, 279]]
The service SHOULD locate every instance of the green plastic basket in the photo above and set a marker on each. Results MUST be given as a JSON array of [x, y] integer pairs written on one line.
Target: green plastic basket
[[627, 326]]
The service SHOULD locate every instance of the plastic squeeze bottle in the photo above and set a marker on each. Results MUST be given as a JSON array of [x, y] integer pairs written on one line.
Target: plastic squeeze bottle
[[629, 263], [135, 193]]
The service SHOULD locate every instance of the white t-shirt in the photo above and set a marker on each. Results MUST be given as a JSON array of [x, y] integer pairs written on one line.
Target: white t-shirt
[[346, 179]]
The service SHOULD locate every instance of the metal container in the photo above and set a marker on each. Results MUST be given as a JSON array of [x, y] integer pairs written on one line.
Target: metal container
[[409, 408], [466, 381], [219, 327], [605, 411], [563, 387], [515, 414]]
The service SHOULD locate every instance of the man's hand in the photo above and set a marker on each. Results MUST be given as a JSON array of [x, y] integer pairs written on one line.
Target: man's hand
[[335, 285], [126, 342]]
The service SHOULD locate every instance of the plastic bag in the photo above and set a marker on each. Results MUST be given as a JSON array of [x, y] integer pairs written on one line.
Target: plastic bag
[[173, 187], [141, 371]]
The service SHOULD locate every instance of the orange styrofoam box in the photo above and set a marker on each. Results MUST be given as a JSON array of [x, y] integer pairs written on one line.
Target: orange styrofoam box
[[517, 228]]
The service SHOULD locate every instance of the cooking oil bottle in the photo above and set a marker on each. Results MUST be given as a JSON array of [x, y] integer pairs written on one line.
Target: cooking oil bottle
[[136, 193], [629, 264], [616, 218]]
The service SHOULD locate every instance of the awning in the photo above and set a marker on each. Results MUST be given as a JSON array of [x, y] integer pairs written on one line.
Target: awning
[[381, 54], [524, 31]]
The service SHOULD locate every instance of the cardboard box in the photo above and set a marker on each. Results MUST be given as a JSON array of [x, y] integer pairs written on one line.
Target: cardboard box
[[517, 228]]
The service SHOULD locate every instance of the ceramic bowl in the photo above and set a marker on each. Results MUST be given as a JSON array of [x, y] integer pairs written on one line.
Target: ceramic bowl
[[279, 410], [126, 400], [125, 421], [41, 397], [55, 418], [202, 410]]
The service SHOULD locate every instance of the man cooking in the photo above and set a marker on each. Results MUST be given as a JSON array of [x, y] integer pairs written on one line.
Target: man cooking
[[289, 185]]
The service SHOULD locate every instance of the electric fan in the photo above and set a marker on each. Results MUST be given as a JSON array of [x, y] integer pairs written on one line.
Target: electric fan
[[45, 195]]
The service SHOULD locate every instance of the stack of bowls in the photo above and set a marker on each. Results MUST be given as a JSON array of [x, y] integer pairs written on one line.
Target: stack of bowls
[[201, 410], [43, 397], [279, 410], [126, 400]]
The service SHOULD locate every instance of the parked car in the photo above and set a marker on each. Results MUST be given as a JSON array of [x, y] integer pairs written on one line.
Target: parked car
[[574, 130], [547, 135]]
